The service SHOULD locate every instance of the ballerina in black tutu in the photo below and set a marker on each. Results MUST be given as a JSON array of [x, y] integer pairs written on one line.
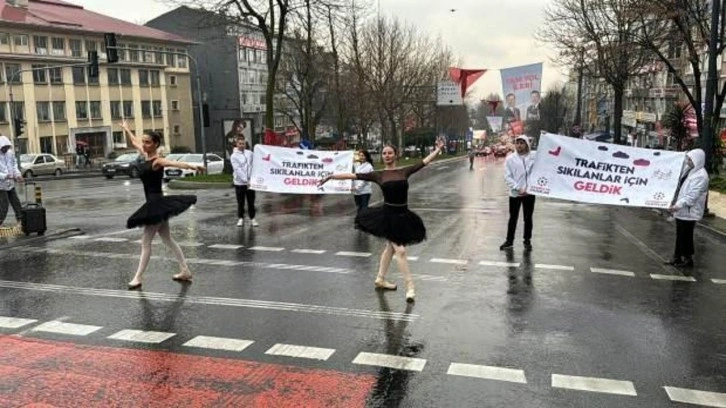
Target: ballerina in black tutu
[[393, 220], [155, 213]]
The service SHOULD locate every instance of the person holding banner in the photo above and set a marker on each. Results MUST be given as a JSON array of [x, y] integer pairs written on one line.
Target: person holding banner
[[393, 220], [362, 189], [242, 170], [688, 207], [518, 167]]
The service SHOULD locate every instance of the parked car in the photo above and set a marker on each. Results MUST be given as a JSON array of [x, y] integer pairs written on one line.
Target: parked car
[[32, 165], [215, 165], [126, 164]]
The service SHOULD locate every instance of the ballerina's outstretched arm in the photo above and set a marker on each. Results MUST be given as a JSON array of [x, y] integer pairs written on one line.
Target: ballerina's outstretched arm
[[439, 146], [135, 140], [339, 176]]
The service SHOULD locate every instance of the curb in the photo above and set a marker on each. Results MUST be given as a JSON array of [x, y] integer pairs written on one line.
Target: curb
[[701, 224], [67, 176]]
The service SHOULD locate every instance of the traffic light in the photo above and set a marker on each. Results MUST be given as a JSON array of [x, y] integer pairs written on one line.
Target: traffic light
[[111, 52], [92, 64], [19, 126]]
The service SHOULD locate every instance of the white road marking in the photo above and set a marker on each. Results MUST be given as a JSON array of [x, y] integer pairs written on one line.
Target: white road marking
[[719, 281], [613, 272], [449, 261], [387, 360], [291, 350], [153, 242], [110, 239], [14, 322], [266, 249], [502, 264], [432, 278], [309, 251], [216, 301], [66, 328], [659, 260], [673, 277], [412, 258], [555, 267], [354, 254], [218, 343], [80, 237], [487, 372], [593, 384], [140, 336], [191, 244], [442, 168], [225, 246], [703, 398]]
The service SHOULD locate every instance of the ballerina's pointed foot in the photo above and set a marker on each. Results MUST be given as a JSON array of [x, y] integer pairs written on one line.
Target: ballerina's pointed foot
[[134, 284], [410, 292], [381, 283]]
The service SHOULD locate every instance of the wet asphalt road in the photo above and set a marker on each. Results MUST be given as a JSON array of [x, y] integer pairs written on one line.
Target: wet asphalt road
[[592, 300]]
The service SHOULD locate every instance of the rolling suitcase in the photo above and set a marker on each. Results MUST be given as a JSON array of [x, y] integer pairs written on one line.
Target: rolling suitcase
[[32, 215]]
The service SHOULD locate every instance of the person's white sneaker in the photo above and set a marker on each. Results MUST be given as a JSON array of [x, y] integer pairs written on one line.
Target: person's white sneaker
[[241, 222], [254, 223]]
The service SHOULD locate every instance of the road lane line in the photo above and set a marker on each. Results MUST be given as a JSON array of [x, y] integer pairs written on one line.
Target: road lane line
[[225, 246], [432, 278], [110, 239], [354, 254], [593, 384], [80, 237], [442, 168], [702, 398], [502, 264], [218, 343], [215, 301], [141, 336], [659, 260], [266, 249], [291, 350], [555, 267], [719, 281], [309, 251], [449, 261], [66, 328], [612, 272], [386, 360], [673, 278], [190, 244], [14, 322], [487, 372]]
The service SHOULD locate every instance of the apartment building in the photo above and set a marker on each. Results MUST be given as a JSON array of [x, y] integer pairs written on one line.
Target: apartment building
[[44, 47]]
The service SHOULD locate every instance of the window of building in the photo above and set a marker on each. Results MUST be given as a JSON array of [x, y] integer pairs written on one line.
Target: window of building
[[3, 113], [79, 75], [175, 105], [76, 47], [128, 109], [133, 53], [61, 144], [143, 77], [59, 111], [58, 45], [41, 45], [18, 110], [93, 80], [20, 40], [43, 110], [91, 45], [39, 76], [145, 109], [4, 39], [177, 129], [118, 138], [181, 59], [156, 108], [121, 51], [56, 75], [170, 57], [115, 110], [113, 76], [159, 55], [95, 109], [125, 76], [155, 78], [148, 54], [46, 144], [12, 73], [172, 80], [82, 110]]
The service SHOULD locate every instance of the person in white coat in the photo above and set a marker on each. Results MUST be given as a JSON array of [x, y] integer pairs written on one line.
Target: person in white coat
[[688, 207], [517, 168], [242, 169], [362, 189], [9, 174]]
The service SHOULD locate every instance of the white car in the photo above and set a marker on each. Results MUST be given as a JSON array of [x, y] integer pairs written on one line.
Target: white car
[[215, 165], [36, 164]]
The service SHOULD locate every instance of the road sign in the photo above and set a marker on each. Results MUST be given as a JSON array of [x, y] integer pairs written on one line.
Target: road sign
[[448, 94]]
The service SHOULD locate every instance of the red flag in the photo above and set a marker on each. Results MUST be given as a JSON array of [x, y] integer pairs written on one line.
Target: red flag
[[465, 77]]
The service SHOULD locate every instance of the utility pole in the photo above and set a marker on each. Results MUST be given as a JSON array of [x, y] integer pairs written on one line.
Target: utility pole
[[578, 109]]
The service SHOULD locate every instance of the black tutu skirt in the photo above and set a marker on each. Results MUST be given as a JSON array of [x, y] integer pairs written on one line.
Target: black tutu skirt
[[396, 224], [160, 209]]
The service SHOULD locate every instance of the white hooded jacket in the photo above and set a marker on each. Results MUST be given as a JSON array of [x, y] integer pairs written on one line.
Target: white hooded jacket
[[8, 166], [691, 200], [241, 166], [517, 168]]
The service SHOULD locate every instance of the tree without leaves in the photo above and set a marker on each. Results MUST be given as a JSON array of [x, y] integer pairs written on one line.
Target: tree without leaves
[[553, 109], [601, 37]]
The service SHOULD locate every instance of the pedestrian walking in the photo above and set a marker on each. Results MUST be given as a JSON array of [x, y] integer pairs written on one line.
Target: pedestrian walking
[[688, 207], [517, 168], [87, 156], [472, 156], [362, 190], [9, 175], [393, 220], [242, 170], [154, 214]]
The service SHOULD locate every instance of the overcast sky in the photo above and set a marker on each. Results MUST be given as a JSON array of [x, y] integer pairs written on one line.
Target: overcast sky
[[488, 34]]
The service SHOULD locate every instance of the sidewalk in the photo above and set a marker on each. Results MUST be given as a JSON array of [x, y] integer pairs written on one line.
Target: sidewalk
[[717, 206]]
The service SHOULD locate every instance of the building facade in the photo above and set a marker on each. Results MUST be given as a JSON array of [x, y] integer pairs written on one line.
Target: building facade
[[44, 47]]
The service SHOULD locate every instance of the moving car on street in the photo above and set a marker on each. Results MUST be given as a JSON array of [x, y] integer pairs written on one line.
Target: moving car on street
[[32, 165], [126, 164], [215, 165]]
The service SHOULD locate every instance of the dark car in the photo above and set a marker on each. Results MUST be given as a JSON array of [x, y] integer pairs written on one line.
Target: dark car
[[126, 164]]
